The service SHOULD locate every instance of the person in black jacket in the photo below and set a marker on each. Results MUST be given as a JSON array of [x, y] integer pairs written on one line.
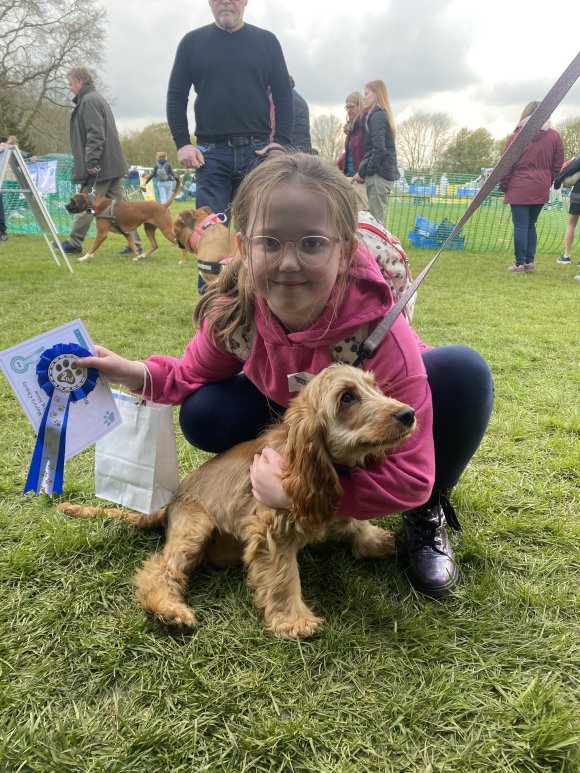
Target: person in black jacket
[[378, 167], [570, 176]]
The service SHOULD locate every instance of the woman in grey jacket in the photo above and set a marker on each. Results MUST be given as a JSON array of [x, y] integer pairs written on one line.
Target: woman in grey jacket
[[378, 168]]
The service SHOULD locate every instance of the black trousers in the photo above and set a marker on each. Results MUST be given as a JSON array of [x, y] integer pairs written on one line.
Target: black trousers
[[222, 414]]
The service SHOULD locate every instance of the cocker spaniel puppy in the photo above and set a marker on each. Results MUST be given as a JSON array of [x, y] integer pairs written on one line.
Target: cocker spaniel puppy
[[341, 419]]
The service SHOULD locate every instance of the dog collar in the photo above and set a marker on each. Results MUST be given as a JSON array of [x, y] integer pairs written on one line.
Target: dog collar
[[205, 223]]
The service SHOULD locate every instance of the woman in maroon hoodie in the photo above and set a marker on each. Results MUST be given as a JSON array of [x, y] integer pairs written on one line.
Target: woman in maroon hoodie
[[354, 143], [527, 186]]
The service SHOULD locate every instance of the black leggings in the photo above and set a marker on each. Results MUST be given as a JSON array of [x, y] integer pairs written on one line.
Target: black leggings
[[222, 414]]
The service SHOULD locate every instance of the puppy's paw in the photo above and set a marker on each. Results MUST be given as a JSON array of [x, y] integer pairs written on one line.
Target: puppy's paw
[[377, 543], [179, 618], [302, 627]]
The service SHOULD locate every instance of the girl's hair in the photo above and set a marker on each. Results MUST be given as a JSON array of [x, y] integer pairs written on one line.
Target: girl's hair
[[160, 154], [81, 74], [529, 109], [12, 140], [229, 301], [379, 88]]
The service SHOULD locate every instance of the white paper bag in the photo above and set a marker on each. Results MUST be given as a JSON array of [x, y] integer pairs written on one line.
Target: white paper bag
[[136, 464]]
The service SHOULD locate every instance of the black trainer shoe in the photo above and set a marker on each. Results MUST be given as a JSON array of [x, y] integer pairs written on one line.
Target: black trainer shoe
[[432, 568], [69, 248], [126, 251]]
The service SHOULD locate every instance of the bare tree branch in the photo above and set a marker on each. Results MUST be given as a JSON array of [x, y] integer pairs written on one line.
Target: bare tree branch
[[39, 43]]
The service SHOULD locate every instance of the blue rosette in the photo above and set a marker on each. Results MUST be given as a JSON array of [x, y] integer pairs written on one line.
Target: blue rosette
[[64, 384]]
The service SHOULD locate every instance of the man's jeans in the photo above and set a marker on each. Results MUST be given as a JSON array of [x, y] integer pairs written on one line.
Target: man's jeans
[[218, 179], [524, 217]]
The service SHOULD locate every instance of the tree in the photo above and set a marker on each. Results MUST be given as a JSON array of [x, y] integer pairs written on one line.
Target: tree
[[569, 129], [40, 40], [422, 139], [140, 147], [328, 136], [470, 151]]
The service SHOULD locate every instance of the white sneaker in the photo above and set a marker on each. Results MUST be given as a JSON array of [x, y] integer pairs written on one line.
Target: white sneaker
[[85, 258], [564, 259]]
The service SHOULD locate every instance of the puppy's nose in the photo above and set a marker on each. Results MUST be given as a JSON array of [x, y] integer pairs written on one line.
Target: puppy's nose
[[406, 415]]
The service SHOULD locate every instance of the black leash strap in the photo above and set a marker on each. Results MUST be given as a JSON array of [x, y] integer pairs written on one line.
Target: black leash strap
[[509, 158]]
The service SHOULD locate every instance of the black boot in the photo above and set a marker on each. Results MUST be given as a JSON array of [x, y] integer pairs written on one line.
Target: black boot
[[432, 568]]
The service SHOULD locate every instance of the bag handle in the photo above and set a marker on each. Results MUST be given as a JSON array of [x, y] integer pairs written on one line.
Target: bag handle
[[146, 375]]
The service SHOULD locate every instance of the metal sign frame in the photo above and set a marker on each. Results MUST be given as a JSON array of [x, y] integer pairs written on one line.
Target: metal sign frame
[[11, 158]]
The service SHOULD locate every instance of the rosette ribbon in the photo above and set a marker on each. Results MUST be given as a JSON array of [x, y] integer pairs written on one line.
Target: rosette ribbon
[[64, 385]]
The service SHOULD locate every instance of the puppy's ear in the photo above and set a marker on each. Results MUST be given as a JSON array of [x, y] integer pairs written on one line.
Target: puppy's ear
[[311, 482], [188, 219]]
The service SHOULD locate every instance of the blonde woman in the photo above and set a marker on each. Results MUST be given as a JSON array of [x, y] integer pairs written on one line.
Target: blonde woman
[[378, 167], [354, 142]]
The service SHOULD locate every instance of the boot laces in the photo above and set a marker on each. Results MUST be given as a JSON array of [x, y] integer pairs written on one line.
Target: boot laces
[[427, 522]]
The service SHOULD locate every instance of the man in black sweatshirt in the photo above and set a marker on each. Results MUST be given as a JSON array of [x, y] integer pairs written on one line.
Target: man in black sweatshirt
[[230, 65]]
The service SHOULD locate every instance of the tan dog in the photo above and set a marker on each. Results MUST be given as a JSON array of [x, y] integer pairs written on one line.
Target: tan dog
[[341, 419], [122, 217], [202, 232]]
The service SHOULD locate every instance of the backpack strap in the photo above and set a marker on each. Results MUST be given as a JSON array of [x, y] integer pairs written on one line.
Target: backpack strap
[[390, 256]]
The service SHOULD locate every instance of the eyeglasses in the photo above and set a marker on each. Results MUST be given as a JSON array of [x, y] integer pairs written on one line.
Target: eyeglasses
[[311, 251]]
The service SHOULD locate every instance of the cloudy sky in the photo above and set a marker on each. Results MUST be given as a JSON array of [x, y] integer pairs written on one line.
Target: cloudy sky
[[481, 62]]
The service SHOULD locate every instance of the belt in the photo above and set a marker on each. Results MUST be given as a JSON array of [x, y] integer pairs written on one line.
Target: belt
[[236, 142]]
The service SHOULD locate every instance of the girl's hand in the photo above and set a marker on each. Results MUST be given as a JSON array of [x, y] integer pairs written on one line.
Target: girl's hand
[[117, 369], [358, 178], [265, 474]]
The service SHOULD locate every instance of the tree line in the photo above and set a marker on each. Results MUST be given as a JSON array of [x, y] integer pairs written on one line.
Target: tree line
[[40, 40]]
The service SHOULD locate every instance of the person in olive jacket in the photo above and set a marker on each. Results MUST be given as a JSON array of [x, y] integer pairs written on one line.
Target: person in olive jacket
[[98, 158], [378, 167]]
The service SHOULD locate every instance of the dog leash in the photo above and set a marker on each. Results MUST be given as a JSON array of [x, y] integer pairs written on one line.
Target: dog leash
[[540, 115], [91, 193]]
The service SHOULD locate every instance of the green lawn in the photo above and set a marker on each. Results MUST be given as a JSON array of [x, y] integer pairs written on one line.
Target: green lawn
[[485, 681]]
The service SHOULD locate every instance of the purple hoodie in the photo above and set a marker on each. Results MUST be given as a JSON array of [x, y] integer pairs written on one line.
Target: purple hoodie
[[406, 477]]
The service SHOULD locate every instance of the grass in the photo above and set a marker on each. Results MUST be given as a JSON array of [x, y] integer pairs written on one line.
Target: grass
[[485, 681]]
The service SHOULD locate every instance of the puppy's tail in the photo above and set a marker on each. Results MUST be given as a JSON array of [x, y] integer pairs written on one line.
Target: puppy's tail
[[156, 520], [169, 201]]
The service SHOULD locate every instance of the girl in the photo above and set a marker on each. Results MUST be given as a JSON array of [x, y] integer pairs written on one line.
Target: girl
[[301, 285], [378, 167]]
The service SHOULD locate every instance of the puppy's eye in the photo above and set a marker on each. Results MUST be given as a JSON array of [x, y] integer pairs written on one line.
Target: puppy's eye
[[347, 398]]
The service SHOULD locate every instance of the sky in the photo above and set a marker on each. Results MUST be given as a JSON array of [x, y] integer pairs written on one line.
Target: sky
[[480, 62]]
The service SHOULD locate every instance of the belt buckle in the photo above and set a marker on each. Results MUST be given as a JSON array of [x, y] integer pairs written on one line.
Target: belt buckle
[[237, 142]]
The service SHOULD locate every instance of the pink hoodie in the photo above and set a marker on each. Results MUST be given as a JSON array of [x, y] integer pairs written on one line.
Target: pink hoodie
[[406, 477]]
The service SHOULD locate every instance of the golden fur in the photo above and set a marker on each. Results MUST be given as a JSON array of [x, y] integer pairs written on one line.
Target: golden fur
[[216, 243], [342, 419], [129, 215]]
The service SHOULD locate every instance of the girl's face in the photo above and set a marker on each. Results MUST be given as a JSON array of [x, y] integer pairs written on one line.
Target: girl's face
[[369, 99], [295, 293]]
